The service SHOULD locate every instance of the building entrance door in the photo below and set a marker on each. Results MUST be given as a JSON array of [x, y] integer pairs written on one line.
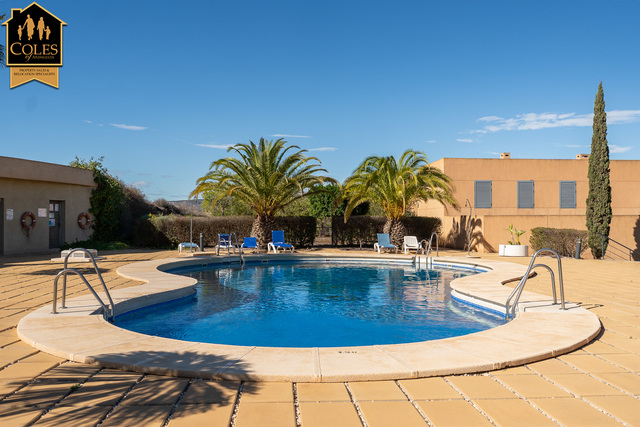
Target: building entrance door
[[56, 223]]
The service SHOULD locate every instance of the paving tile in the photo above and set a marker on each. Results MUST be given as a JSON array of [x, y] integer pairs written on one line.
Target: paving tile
[[582, 384], [42, 357], [429, 389], [513, 412], [628, 361], [156, 391], [322, 392], [391, 413], [20, 370], [532, 386], [518, 370], [334, 414], [205, 414], [40, 395], [11, 355], [590, 363], [154, 415], [552, 366], [627, 381], [69, 372], [18, 416], [624, 408], [276, 414], [211, 392], [480, 387], [599, 347], [72, 416], [8, 387], [97, 393], [573, 412], [267, 392], [452, 413], [376, 390]]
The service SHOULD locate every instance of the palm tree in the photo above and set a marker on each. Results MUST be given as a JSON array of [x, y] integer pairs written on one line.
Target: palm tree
[[396, 186], [266, 177]]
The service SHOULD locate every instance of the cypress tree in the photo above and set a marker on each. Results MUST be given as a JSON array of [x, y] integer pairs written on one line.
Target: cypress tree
[[599, 198]]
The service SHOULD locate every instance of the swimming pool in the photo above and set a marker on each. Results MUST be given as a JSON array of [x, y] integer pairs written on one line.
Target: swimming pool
[[313, 304]]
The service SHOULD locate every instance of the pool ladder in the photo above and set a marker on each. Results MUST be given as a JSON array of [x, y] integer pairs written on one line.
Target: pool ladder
[[237, 246], [510, 310], [108, 313], [416, 258]]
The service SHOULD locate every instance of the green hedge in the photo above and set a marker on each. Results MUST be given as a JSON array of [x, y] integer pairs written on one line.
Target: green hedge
[[170, 230], [363, 230], [562, 240]]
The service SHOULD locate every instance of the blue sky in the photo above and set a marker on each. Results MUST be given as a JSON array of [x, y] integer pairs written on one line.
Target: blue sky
[[161, 89]]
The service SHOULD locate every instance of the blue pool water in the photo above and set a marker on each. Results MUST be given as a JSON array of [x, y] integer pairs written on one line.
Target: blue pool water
[[313, 305]]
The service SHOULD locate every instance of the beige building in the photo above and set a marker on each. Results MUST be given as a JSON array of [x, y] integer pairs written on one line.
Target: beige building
[[42, 205], [531, 193]]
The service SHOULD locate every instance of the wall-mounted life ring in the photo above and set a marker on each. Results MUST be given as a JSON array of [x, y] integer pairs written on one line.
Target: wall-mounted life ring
[[87, 220], [25, 226]]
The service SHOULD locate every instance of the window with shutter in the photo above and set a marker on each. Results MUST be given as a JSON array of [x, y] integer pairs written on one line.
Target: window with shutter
[[567, 194], [525, 195], [483, 194]]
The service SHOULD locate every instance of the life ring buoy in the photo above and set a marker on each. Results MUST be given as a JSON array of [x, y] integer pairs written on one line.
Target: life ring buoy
[[23, 219], [87, 220]]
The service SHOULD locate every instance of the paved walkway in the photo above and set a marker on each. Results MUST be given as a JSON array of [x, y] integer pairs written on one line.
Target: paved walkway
[[596, 385]]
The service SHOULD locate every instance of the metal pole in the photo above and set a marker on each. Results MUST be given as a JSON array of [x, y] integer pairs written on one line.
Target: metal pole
[[201, 242], [578, 248], [191, 230], [468, 203]]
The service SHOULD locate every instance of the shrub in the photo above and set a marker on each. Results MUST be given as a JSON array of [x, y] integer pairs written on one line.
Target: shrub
[[561, 240], [300, 231], [363, 229]]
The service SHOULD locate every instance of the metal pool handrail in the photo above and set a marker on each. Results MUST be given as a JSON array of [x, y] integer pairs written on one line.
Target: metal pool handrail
[[517, 291], [109, 314], [415, 258]]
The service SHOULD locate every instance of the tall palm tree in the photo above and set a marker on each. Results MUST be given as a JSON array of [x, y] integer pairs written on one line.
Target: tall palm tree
[[396, 186], [266, 177]]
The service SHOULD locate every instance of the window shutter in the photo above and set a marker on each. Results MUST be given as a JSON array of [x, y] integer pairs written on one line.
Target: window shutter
[[567, 194], [525, 195], [483, 194]]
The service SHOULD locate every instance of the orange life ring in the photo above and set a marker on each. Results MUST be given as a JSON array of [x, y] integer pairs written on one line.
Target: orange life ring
[[87, 220], [28, 227]]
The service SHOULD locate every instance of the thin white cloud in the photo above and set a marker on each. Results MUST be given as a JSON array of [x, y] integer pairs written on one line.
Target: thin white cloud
[[140, 184], [431, 141], [92, 123], [166, 176], [536, 121], [573, 146], [466, 140], [323, 149], [218, 146], [616, 149], [279, 135], [128, 127], [88, 121]]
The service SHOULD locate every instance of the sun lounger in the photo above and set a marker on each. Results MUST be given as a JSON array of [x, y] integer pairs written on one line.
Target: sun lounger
[[277, 237], [410, 243], [384, 243], [250, 243], [224, 242]]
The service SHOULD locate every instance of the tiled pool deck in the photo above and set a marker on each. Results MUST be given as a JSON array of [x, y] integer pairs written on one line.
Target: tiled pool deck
[[598, 384]]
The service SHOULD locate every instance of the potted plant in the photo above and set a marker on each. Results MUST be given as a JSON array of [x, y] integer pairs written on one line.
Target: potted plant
[[514, 248]]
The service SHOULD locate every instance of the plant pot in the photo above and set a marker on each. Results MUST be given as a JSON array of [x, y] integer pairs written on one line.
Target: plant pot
[[514, 250]]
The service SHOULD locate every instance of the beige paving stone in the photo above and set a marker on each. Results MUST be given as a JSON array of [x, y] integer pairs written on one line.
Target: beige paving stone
[[627, 344], [115, 375], [72, 416], [267, 414], [628, 361], [205, 414], [518, 370], [624, 408], [354, 363], [552, 366], [221, 392], [582, 384], [388, 413], [21, 370], [18, 416], [10, 355], [452, 413], [573, 412], [138, 416], [589, 363], [42, 357], [156, 391], [69, 372], [513, 412], [532, 386], [40, 395], [599, 347], [97, 393], [322, 392], [628, 381], [480, 387], [283, 364], [429, 389], [334, 414], [376, 390], [255, 392]]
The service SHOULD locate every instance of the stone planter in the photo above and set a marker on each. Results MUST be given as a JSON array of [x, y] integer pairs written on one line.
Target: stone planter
[[514, 250]]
